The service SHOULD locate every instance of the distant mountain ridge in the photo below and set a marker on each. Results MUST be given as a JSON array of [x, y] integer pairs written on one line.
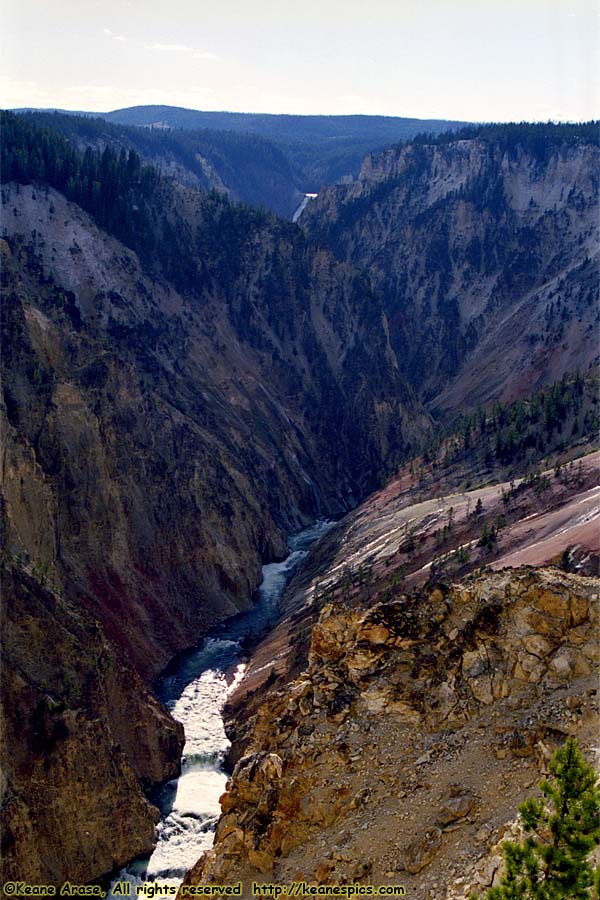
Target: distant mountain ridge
[[320, 149], [280, 126]]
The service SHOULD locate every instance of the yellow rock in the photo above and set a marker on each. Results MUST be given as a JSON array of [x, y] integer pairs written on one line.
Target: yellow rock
[[553, 604], [228, 824], [226, 801], [579, 609], [538, 645], [569, 663], [374, 634], [261, 860]]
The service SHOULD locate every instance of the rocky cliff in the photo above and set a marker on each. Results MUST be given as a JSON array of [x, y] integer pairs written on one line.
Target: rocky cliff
[[80, 735], [157, 446], [400, 753], [485, 251], [166, 444], [418, 529]]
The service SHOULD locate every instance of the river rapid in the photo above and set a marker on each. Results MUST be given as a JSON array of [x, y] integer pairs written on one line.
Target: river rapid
[[194, 689]]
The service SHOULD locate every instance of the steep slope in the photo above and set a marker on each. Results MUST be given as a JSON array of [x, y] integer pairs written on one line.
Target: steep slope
[[80, 737], [244, 167], [157, 445], [422, 528], [169, 428], [385, 735], [485, 250], [401, 751]]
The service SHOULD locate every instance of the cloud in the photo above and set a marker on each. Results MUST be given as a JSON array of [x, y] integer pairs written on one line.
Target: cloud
[[115, 37], [182, 48], [177, 48]]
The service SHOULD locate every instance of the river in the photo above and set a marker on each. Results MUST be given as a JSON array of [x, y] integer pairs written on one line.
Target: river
[[195, 688]]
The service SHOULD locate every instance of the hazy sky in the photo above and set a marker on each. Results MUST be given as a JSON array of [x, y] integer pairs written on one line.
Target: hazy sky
[[468, 59]]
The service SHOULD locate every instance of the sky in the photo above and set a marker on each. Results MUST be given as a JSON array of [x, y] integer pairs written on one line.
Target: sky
[[474, 60]]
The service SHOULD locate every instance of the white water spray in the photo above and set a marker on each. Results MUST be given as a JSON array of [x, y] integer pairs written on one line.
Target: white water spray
[[195, 692]]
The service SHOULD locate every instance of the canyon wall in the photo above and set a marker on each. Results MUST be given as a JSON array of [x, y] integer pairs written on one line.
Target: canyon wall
[[157, 447], [485, 252]]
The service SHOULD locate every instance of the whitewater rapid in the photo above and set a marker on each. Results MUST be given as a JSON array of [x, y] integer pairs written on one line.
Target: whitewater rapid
[[194, 690]]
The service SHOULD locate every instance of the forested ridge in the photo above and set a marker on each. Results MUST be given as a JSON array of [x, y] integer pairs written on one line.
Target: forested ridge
[[113, 187], [136, 204], [519, 435], [537, 138], [319, 149], [252, 168]]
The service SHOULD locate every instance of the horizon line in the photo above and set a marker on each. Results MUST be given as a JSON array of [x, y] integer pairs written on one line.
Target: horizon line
[[102, 113]]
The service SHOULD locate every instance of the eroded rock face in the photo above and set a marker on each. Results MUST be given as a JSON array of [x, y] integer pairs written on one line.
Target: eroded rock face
[[417, 725], [476, 247], [80, 735], [156, 448], [150, 437]]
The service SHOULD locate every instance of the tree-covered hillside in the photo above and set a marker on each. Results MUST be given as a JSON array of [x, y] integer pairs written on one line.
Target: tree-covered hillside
[[320, 149], [538, 138], [245, 166], [515, 437], [143, 209]]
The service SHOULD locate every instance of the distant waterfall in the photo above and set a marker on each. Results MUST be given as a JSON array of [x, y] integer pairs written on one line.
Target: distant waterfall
[[303, 206]]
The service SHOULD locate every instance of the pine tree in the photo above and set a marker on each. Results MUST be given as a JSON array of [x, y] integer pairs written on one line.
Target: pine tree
[[563, 827]]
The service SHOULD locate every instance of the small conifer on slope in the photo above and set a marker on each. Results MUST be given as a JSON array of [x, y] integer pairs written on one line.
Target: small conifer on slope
[[554, 861]]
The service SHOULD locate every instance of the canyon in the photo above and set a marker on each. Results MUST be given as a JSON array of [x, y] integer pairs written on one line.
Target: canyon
[[169, 416], [258, 159], [149, 443]]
